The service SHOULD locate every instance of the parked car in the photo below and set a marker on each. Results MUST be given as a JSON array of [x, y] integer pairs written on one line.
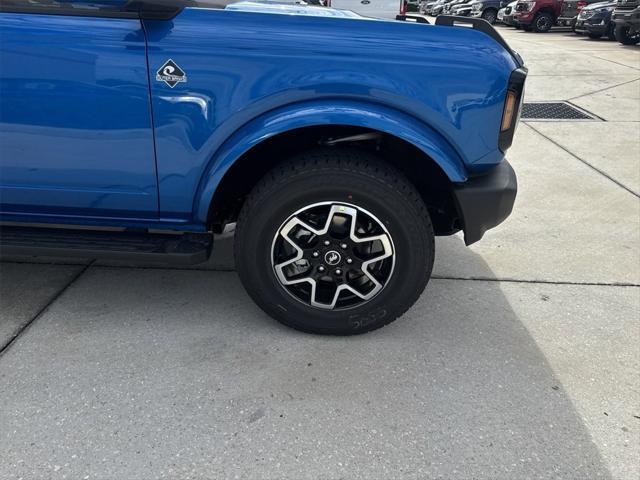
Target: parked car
[[386, 9], [537, 15], [595, 20], [501, 13], [449, 7], [410, 6], [626, 18], [438, 7], [570, 9], [506, 16], [426, 7], [462, 9], [446, 8], [486, 9], [171, 122]]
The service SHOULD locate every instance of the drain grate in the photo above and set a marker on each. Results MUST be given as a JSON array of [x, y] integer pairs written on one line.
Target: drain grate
[[554, 111]]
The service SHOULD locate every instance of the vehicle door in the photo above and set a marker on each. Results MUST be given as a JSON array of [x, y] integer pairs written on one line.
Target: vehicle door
[[76, 133]]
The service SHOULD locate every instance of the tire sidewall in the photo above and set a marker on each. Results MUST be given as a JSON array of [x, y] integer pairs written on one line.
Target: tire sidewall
[[409, 229]]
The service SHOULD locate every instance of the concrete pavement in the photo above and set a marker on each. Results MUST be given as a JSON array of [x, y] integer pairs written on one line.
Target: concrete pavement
[[519, 361]]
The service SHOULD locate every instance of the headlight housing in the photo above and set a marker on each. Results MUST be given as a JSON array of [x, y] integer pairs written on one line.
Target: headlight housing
[[527, 6]]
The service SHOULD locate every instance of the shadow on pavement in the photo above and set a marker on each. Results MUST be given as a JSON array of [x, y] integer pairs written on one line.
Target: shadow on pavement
[[138, 373]]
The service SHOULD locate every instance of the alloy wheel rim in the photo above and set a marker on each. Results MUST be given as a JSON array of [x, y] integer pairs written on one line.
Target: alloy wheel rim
[[543, 23], [333, 256]]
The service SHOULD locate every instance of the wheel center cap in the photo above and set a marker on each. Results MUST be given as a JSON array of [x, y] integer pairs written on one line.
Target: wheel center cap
[[332, 258]]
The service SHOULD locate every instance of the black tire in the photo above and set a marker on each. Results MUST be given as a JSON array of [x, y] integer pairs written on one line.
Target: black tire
[[490, 15], [543, 22], [344, 176], [624, 37], [595, 36]]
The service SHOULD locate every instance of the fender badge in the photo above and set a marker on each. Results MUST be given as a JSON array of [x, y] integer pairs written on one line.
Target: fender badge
[[171, 74]]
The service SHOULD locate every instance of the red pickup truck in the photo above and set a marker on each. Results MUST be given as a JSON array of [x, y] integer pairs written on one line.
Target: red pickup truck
[[537, 15]]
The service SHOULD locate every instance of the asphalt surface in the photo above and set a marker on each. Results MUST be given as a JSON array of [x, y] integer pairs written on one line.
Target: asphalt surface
[[521, 360]]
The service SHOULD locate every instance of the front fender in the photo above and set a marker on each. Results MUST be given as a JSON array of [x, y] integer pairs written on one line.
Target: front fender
[[316, 113]]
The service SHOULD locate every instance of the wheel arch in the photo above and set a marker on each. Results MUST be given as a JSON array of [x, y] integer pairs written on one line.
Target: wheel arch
[[427, 159]]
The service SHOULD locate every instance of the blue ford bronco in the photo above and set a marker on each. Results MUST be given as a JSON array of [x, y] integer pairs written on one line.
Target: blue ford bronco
[[338, 145]]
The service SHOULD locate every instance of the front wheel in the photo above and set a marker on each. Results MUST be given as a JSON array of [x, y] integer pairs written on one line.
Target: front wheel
[[543, 22], [624, 36], [490, 15], [334, 241]]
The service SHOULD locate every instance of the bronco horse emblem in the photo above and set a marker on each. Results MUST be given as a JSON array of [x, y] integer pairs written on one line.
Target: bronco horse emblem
[[332, 258]]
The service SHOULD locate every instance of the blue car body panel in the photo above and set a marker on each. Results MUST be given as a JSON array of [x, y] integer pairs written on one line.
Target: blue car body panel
[[77, 131], [262, 62], [323, 112], [75, 122]]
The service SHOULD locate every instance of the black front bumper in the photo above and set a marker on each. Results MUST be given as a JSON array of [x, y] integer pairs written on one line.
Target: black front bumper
[[567, 20], [486, 201], [583, 26]]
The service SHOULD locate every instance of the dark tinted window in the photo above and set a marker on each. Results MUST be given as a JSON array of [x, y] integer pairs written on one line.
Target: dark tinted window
[[107, 7], [60, 6]]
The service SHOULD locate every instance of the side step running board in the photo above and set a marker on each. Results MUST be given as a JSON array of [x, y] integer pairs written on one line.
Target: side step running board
[[187, 248]]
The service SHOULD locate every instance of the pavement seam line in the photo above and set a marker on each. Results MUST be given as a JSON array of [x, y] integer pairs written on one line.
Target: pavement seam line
[[584, 110], [434, 277], [612, 61], [603, 89], [601, 172], [24, 327], [542, 282]]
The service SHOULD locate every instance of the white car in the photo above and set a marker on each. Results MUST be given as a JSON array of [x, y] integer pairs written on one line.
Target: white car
[[371, 8], [462, 10]]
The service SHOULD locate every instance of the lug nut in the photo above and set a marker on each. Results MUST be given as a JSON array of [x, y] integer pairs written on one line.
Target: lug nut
[[338, 271], [321, 268], [349, 261], [327, 243], [343, 246], [316, 254]]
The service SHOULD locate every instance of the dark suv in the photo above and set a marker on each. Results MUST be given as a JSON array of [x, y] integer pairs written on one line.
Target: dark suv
[[570, 10], [595, 20], [626, 17]]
